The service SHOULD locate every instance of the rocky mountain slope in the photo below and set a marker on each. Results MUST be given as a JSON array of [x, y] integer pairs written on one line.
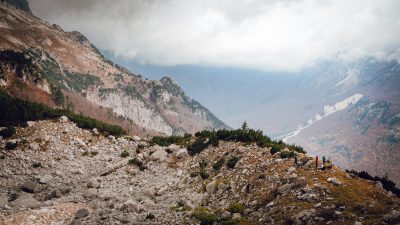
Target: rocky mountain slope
[[365, 135], [56, 173], [41, 62]]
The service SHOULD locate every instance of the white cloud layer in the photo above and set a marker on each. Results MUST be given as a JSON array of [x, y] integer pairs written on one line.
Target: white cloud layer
[[258, 34]]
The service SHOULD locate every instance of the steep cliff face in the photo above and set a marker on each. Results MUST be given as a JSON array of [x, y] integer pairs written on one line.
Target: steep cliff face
[[64, 69]]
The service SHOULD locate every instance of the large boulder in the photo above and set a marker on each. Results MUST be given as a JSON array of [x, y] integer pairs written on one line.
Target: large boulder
[[302, 159], [159, 155], [63, 119], [25, 201], [173, 148], [212, 187], [181, 153]]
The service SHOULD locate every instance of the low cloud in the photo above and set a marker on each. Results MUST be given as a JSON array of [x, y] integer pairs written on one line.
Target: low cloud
[[281, 35]]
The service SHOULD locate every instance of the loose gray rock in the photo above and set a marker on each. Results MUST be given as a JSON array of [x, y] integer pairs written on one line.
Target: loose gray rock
[[81, 213], [3, 201], [63, 119], [93, 183], [285, 188], [25, 201], [303, 216], [29, 187], [334, 181]]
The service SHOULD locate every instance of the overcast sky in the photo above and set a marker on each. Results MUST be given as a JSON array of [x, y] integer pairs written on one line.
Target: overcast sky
[[283, 35]]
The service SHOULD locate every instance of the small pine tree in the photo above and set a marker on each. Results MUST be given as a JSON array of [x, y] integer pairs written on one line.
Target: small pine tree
[[245, 127]]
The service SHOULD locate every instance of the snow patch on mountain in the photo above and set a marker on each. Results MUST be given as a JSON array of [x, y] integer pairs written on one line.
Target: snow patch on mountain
[[339, 106], [328, 110]]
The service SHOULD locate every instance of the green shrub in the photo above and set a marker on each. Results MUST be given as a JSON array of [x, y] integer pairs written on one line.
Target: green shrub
[[203, 172], [167, 141], [181, 208], [232, 162], [137, 163], [236, 221], [287, 154], [150, 216], [198, 146], [204, 216], [218, 165], [246, 135], [274, 150], [8, 132], [236, 208], [124, 154], [37, 164], [11, 145]]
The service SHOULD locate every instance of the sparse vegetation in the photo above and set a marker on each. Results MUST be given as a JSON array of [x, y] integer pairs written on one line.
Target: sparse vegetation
[[150, 216], [137, 163], [261, 177], [236, 221], [80, 82], [236, 208], [11, 145], [218, 165], [245, 134], [232, 162], [37, 165], [287, 154], [181, 207], [124, 154], [386, 182], [274, 150], [167, 141], [7, 132], [204, 216], [93, 153], [203, 172], [14, 111]]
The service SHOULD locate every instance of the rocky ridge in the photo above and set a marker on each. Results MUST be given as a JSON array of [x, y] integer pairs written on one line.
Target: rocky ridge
[[64, 69], [58, 173]]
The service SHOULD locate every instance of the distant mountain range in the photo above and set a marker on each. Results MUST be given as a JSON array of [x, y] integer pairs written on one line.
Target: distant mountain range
[[43, 63], [347, 111]]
